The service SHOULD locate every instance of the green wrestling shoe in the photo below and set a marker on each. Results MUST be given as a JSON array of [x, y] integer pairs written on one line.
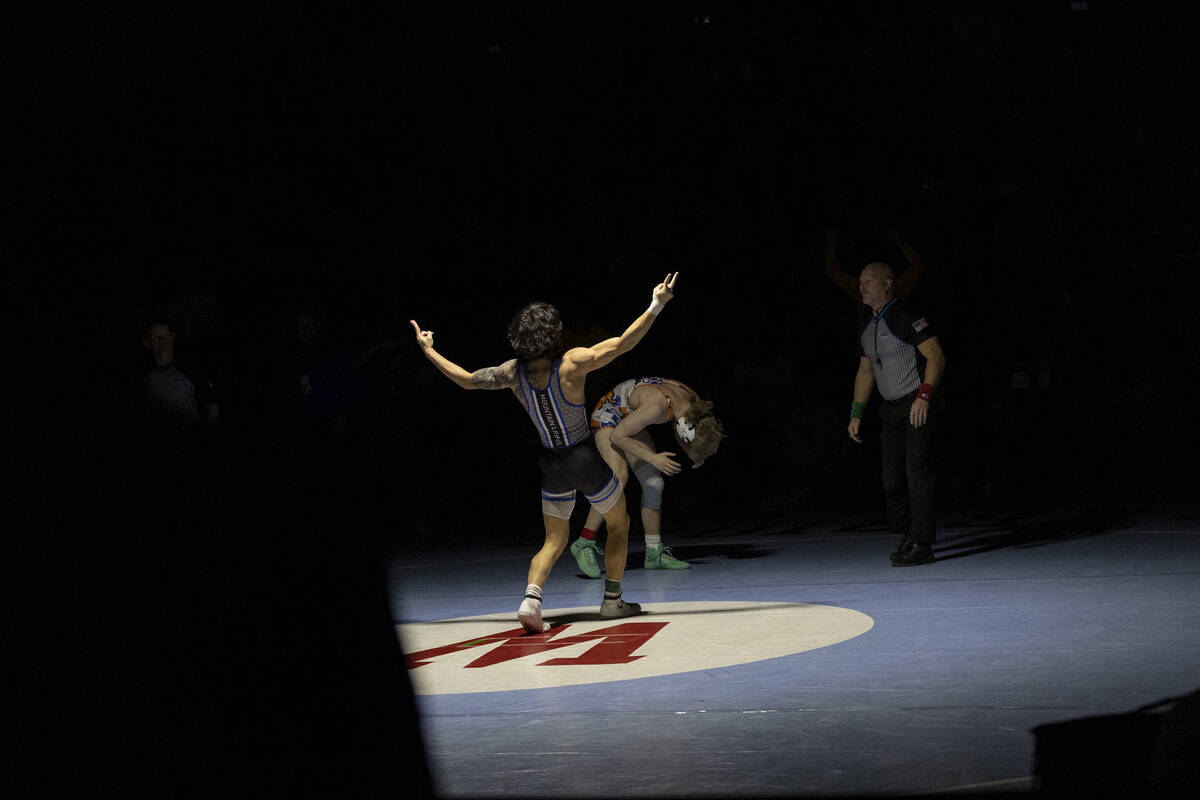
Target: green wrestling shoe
[[587, 554], [661, 558]]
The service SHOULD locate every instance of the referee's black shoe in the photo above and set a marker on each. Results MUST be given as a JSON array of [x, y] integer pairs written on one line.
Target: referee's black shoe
[[913, 554], [904, 542]]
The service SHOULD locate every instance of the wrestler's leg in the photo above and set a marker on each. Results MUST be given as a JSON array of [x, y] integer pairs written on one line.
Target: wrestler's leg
[[652, 521], [617, 547], [616, 462], [530, 612], [594, 519], [584, 549], [609, 500], [556, 539], [558, 500], [658, 555], [651, 482], [614, 562]]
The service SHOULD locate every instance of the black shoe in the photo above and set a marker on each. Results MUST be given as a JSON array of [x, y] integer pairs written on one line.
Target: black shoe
[[899, 549], [914, 553]]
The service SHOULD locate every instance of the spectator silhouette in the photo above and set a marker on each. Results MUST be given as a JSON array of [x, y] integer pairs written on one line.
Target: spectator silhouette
[[387, 432], [180, 400], [311, 397], [178, 411], [765, 381]]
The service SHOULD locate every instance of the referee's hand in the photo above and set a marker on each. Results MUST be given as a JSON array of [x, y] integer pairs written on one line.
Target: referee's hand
[[918, 415]]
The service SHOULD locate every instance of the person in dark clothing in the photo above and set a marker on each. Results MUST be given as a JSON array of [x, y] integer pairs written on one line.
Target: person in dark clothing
[[314, 383], [900, 355], [176, 401], [311, 399]]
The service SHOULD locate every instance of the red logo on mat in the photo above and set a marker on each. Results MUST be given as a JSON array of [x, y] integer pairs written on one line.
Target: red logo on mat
[[614, 645]]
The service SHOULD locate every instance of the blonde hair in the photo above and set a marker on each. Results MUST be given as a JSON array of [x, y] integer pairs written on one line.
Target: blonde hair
[[709, 430]]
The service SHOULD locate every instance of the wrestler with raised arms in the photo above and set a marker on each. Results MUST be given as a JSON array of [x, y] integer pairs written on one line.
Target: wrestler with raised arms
[[549, 383]]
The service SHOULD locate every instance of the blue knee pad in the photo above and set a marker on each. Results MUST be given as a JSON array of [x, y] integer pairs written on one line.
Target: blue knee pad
[[652, 485]]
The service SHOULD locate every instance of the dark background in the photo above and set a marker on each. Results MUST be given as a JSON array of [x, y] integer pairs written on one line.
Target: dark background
[[396, 165], [382, 164]]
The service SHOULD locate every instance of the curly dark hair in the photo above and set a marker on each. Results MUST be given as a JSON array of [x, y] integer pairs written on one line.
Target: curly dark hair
[[709, 430], [536, 332]]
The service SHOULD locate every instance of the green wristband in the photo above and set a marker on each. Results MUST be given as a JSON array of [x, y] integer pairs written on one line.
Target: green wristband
[[856, 410]]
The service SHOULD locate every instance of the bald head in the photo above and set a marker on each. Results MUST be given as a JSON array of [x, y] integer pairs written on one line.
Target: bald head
[[880, 270], [877, 284]]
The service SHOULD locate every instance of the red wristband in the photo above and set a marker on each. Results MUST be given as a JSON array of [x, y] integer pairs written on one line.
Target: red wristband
[[925, 392]]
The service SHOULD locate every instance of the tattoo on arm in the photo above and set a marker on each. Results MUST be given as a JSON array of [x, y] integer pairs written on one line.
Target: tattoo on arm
[[501, 377]]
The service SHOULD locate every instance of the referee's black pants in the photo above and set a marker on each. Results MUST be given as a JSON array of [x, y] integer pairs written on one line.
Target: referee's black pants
[[908, 476]]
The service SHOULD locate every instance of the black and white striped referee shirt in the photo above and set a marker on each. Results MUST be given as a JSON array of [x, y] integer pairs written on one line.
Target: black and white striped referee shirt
[[890, 340]]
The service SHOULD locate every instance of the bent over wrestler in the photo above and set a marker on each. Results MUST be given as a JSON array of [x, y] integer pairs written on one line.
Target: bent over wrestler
[[620, 421]]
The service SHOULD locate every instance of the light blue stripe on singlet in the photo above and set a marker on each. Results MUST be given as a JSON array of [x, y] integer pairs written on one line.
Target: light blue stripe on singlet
[[602, 495], [554, 403], [584, 429], [531, 404]]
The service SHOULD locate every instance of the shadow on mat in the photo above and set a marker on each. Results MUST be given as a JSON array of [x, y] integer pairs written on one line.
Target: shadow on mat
[[1027, 530], [871, 525], [557, 619], [648, 612], [697, 553]]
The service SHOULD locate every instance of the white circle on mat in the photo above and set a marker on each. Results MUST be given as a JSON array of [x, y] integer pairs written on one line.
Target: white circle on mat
[[489, 653]]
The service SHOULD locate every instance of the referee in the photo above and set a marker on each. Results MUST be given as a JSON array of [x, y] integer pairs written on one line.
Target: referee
[[899, 354]]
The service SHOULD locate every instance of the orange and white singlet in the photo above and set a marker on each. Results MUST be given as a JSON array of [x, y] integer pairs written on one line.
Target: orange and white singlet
[[614, 406]]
